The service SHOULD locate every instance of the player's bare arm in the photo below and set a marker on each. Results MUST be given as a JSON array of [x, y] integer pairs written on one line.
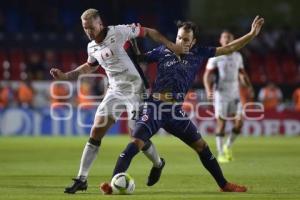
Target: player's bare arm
[[242, 41], [208, 83], [245, 80], [74, 74], [159, 38]]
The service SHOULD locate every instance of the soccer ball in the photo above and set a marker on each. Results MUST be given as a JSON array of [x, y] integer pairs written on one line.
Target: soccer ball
[[122, 183]]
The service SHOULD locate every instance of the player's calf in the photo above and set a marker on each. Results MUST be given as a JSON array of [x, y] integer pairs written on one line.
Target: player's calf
[[125, 158]]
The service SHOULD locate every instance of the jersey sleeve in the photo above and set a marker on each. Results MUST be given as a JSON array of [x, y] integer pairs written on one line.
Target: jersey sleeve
[[211, 64], [127, 32], [152, 56], [91, 60]]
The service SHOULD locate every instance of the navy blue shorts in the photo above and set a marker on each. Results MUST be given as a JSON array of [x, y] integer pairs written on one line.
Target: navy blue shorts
[[155, 114]]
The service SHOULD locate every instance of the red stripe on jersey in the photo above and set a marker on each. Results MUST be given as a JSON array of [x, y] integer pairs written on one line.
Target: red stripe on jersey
[[127, 45], [142, 32]]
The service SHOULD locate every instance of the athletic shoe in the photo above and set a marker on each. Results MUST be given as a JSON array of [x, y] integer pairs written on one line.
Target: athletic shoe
[[106, 188], [228, 153], [222, 158], [76, 186], [231, 187], [155, 173]]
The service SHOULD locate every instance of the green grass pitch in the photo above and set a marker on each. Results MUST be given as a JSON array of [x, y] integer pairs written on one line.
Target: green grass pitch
[[40, 167]]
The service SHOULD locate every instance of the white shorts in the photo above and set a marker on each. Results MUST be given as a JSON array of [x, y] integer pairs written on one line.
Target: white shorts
[[116, 102], [227, 108]]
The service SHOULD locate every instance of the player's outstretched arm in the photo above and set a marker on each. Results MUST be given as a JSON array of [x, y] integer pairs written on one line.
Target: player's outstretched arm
[[74, 74], [242, 41], [208, 83], [159, 38]]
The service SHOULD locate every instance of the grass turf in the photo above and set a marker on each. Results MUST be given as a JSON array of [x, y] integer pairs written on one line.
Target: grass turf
[[40, 167]]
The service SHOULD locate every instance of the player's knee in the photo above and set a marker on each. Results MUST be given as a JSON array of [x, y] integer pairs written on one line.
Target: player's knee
[[199, 145], [237, 130], [147, 145], [95, 142], [141, 132], [220, 126], [100, 127], [97, 133], [138, 142], [239, 126], [220, 134]]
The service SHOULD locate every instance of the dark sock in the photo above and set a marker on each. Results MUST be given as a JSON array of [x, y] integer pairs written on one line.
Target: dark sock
[[125, 158], [147, 145], [210, 163], [95, 142]]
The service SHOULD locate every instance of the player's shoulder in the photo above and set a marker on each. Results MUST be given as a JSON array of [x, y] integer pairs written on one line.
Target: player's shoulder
[[161, 49], [217, 58], [121, 27], [91, 45], [213, 59]]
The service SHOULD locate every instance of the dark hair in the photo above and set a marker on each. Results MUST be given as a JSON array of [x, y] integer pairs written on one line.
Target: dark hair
[[227, 31], [189, 26]]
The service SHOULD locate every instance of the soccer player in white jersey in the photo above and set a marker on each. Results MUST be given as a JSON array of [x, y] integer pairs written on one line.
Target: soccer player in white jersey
[[229, 71], [125, 85]]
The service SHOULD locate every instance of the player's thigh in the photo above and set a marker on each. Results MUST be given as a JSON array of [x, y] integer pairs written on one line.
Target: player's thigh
[[147, 123], [112, 105], [183, 128], [100, 126], [221, 108], [132, 107], [235, 109]]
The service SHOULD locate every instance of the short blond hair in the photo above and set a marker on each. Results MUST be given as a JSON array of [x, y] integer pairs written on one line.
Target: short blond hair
[[89, 14]]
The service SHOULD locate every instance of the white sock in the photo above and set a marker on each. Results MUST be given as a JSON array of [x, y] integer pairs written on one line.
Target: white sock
[[152, 155], [89, 154], [231, 139], [219, 143]]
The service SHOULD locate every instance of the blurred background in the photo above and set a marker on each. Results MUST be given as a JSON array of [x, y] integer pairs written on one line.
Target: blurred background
[[37, 35]]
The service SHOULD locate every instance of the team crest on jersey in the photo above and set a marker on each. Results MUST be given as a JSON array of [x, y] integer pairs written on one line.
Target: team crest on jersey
[[145, 118]]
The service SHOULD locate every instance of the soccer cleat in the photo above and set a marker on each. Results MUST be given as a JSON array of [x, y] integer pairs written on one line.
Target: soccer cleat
[[231, 187], [76, 186], [222, 158], [106, 188], [228, 153], [155, 173]]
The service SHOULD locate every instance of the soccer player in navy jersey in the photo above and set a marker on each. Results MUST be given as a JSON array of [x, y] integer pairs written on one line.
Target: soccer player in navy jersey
[[163, 109]]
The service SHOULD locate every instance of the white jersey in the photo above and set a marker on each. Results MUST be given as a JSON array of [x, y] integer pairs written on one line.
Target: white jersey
[[111, 55], [227, 66]]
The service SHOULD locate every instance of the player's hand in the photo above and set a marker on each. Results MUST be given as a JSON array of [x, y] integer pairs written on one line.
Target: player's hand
[[58, 74], [256, 25]]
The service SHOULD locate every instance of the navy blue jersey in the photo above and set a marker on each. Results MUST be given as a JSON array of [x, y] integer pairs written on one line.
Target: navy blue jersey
[[176, 75]]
